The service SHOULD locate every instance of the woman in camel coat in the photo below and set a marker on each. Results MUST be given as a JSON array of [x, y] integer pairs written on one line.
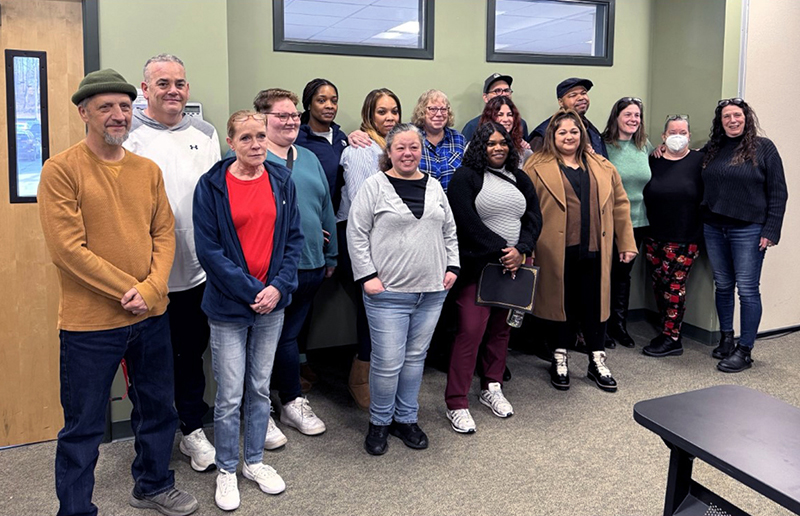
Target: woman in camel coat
[[584, 208]]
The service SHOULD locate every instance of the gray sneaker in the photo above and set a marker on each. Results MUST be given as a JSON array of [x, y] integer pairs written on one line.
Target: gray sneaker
[[172, 502]]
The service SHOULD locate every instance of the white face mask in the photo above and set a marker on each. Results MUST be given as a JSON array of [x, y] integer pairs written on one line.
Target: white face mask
[[677, 142]]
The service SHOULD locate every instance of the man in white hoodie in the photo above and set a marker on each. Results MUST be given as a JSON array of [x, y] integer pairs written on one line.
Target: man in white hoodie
[[184, 148]]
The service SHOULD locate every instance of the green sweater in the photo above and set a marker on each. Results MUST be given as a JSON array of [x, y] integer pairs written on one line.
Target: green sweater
[[634, 169]]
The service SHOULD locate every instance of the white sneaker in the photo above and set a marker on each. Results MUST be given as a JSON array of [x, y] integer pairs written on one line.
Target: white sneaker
[[227, 495], [201, 451], [494, 399], [275, 438], [298, 414], [461, 421], [265, 476]]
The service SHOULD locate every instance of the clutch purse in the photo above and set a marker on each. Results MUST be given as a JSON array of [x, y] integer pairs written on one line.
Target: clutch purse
[[496, 288]]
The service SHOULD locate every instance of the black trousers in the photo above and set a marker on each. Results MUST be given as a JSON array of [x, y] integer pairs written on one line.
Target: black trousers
[[581, 304], [621, 280], [189, 334], [344, 271]]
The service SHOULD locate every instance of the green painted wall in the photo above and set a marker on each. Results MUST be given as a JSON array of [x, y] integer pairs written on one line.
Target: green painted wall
[[196, 31], [459, 66]]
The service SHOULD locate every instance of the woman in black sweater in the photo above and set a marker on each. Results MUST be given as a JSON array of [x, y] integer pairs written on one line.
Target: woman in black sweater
[[743, 206], [672, 198], [498, 220]]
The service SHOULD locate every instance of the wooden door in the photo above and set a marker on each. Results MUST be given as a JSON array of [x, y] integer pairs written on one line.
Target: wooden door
[[30, 408]]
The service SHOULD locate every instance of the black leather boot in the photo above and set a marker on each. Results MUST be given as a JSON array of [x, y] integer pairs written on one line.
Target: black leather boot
[[559, 370], [617, 327], [726, 346], [737, 362], [599, 372]]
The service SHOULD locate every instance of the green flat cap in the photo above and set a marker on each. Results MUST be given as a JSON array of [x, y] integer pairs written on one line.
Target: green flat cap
[[103, 81]]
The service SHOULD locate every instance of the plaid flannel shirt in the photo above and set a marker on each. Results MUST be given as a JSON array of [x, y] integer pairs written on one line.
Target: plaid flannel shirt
[[442, 159]]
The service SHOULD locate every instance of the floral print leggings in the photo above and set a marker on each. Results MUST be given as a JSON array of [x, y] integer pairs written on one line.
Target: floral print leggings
[[670, 265]]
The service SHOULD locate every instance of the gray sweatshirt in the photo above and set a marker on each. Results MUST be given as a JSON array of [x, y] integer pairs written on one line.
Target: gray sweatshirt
[[384, 237]]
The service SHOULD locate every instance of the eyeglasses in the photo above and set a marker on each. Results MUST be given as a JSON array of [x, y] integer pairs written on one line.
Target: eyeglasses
[[501, 91], [637, 100], [434, 110], [284, 117], [259, 117], [736, 101], [670, 118]]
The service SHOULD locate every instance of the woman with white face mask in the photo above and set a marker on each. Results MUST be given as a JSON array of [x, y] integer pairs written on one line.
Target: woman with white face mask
[[672, 198]]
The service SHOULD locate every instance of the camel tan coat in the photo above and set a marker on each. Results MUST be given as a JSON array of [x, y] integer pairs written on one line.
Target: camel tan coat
[[615, 222]]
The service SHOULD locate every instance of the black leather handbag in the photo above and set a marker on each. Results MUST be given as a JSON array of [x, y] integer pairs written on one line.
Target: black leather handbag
[[497, 288]]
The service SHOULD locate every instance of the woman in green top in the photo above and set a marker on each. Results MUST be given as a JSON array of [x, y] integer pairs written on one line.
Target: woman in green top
[[628, 150]]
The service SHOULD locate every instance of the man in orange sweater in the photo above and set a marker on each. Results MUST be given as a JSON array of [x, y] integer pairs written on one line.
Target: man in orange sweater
[[110, 231]]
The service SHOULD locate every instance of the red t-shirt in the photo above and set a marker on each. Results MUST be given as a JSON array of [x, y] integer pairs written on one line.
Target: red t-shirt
[[253, 211]]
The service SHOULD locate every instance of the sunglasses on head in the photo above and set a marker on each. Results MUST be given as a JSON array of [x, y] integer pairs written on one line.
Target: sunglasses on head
[[636, 100], [736, 101], [670, 118]]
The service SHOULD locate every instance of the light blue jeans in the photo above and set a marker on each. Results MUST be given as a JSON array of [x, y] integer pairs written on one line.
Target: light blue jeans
[[401, 326], [242, 353]]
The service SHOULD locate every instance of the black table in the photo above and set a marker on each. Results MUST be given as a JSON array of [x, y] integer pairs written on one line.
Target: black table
[[746, 434]]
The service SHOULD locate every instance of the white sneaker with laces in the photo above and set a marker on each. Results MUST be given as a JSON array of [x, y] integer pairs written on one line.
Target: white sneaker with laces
[[265, 476], [275, 438], [227, 495], [494, 399], [298, 414], [461, 421], [199, 449]]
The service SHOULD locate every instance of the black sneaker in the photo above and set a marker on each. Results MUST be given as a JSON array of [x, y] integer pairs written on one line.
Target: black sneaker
[[599, 372], [410, 433], [172, 502], [559, 370], [738, 361], [664, 346], [376, 441]]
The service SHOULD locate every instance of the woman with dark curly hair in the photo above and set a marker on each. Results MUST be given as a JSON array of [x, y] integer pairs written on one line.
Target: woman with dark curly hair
[[498, 219], [502, 110], [743, 206]]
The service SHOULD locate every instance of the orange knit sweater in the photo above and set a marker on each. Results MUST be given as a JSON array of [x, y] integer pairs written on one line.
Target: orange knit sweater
[[109, 227]]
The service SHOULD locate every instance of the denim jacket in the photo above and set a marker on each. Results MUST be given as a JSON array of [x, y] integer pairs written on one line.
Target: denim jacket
[[230, 289]]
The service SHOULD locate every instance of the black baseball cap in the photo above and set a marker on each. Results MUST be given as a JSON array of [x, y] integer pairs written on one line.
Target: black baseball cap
[[567, 84], [494, 78]]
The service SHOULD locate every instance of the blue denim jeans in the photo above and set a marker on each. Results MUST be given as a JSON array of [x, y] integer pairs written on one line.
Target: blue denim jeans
[[401, 326], [736, 261], [286, 376], [242, 353], [89, 361]]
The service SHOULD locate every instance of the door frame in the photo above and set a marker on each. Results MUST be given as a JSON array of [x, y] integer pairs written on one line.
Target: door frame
[[91, 36]]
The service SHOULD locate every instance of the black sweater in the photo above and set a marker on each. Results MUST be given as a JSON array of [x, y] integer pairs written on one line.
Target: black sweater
[[672, 198], [748, 192], [477, 244]]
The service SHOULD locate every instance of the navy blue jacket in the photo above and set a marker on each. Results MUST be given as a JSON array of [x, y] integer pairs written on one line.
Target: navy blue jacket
[[328, 155], [595, 139], [230, 289]]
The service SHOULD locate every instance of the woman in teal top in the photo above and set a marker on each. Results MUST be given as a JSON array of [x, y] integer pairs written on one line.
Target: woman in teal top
[[628, 150]]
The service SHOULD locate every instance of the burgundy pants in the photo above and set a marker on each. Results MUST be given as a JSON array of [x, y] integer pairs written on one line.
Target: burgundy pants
[[473, 322]]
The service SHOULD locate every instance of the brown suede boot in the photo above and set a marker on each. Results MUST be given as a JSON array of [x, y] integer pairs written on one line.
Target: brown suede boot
[[358, 384]]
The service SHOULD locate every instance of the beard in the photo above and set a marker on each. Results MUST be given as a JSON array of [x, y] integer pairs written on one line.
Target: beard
[[115, 140]]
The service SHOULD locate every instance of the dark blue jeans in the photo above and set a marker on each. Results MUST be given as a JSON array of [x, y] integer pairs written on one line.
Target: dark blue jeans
[[89, 361], [286, 371], [736, 261]]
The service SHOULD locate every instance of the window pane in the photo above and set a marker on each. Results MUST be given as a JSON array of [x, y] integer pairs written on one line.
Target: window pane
[[381, 23], [28, 111], [551, 31]]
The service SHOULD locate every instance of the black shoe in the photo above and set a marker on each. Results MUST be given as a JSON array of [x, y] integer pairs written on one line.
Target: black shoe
[[507, 374], [664, 346], [376, 441], [559, 381], [726, 346], [617, 331], [410, 433], [599, 372], [737, 362], [609, 343]]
